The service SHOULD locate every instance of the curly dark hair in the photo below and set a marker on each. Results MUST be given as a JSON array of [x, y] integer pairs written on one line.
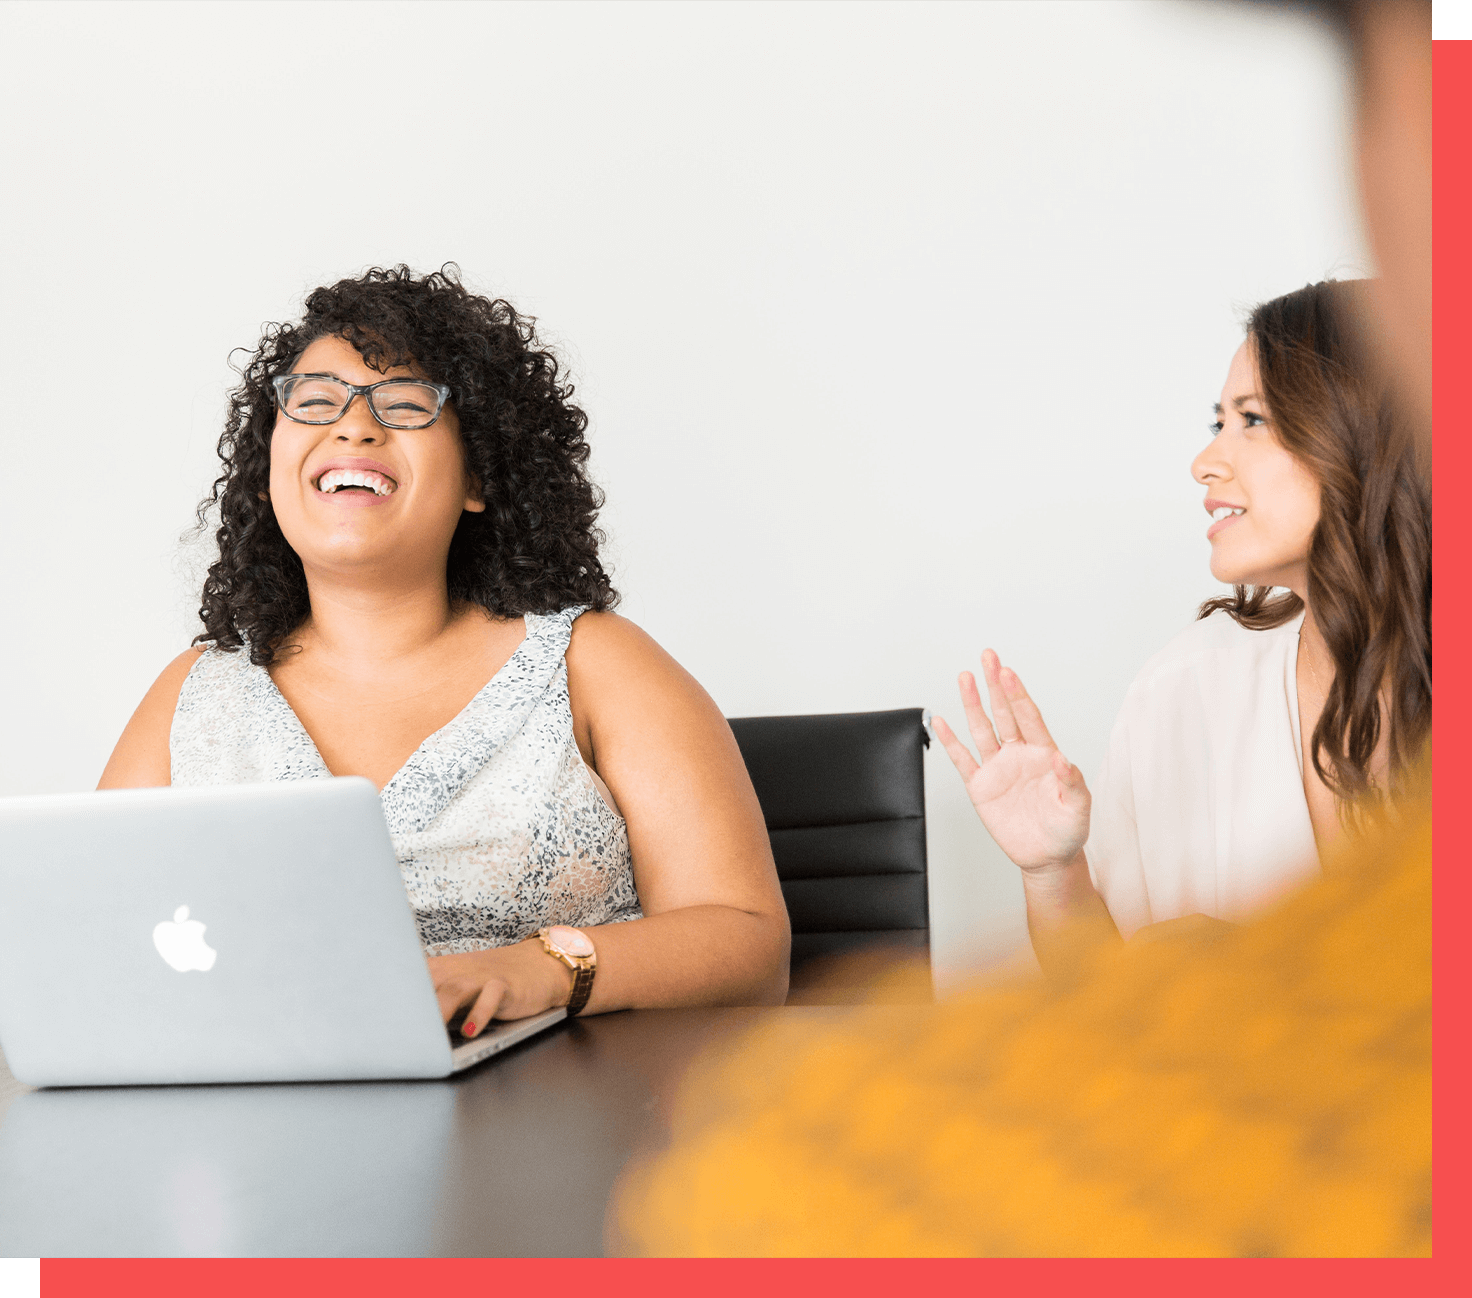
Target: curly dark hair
[[1369, 560], [533, 550]]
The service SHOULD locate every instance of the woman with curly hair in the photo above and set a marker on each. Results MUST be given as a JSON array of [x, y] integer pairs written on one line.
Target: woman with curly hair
[[408, 588], [1295, 707]]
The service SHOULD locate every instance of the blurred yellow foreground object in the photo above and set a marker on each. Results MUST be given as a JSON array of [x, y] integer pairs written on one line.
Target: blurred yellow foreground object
[[1266, 1092]]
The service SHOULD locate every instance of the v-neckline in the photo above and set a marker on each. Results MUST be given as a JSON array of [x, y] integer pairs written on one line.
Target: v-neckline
[[412, 759]]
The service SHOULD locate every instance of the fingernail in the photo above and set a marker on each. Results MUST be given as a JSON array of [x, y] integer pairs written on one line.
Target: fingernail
[[468, 1030]]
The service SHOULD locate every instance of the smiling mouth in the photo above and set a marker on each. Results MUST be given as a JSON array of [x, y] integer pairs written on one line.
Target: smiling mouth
[[356, 480], [1221, 516]]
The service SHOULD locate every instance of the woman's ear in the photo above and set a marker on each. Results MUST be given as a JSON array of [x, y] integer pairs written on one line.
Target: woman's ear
[[475, 496]]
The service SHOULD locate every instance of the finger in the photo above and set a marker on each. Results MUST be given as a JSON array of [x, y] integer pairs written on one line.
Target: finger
[[1024, 711], [485, 1007], [976, 718], [1070, 778], [453, 995], [966, 765], [1006, 723]]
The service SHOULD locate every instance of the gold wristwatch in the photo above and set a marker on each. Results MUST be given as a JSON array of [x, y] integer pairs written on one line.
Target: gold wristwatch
[[575, 949]]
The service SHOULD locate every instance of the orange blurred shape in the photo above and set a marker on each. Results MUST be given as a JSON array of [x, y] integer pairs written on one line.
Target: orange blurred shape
[[1260, 1092]]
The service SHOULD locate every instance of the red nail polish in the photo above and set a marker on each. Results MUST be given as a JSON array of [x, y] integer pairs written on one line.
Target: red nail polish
[[468, 1030]]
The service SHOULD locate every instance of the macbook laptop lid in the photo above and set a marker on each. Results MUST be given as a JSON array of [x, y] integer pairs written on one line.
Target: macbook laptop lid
[[246, 933]]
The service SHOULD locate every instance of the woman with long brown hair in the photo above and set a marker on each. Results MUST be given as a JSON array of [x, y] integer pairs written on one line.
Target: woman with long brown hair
[[1294, 709]]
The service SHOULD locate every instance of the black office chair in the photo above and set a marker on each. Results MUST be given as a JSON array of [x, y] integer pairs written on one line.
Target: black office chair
[[844, 800]]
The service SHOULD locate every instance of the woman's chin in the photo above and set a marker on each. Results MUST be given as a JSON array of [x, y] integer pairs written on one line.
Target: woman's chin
[[1232, 574], [351, 556]]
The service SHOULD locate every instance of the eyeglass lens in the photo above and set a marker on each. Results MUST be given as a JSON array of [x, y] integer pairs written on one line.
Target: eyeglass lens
[[405, 404]]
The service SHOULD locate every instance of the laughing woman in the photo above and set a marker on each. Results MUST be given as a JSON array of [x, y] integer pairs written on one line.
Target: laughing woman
[[408, 588], [1294, 709]]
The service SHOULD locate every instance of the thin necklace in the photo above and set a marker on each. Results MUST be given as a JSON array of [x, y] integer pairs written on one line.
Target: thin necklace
[[1309, 663], [1314, 676]]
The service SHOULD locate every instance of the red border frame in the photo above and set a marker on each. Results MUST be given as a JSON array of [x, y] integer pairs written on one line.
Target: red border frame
[[1453, 546], [651, 1278], [1452, 621]]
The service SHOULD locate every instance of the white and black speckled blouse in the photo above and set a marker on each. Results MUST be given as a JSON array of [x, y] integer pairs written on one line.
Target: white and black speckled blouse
[[497, 824]]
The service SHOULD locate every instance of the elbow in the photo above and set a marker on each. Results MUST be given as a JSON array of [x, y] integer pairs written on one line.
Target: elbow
[[751, 965], [774, 992], [772, 988], [759, 965]]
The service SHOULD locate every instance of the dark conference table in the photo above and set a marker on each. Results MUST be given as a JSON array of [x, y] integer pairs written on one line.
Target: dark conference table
[[516, 1157]]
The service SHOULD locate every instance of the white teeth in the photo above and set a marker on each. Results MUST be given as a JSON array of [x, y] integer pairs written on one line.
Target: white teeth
[[339, 478], [1223, 511]]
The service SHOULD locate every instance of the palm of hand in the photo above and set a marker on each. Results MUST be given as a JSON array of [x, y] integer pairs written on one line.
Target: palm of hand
[[1034, 819], [1031, 799]]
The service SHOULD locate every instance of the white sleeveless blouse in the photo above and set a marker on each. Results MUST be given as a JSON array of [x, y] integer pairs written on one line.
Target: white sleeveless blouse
[[1199, 808], [495, 819]]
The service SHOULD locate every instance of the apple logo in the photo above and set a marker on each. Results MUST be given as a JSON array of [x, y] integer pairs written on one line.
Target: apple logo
[[182, 943]]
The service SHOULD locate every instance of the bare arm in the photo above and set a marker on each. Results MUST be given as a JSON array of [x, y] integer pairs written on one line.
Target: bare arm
[[715, 930], [141, 758], [1065, 915]]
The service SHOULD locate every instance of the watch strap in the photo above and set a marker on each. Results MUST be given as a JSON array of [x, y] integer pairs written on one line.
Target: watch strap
[[583, 968], [582, 988]]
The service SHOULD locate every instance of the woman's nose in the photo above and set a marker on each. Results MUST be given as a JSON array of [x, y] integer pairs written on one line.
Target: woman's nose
[[1211, 464], [357, 423]]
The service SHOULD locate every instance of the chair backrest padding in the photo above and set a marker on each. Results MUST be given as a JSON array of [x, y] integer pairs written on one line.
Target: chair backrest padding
[[844, 800]]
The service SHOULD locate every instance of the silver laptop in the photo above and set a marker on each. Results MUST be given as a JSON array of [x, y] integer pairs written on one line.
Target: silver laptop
[[336, 1170], [248, 933]]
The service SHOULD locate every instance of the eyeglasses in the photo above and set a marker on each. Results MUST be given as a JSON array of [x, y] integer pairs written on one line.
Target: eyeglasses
[[323, 399]]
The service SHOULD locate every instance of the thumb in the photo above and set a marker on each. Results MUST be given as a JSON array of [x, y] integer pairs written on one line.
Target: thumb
[[1069, 776]]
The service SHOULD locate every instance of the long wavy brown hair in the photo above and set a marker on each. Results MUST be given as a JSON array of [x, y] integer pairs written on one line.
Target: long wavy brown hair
[[1369, 561]]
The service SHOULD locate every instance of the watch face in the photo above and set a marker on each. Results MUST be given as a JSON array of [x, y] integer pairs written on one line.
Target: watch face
[[570, 940]]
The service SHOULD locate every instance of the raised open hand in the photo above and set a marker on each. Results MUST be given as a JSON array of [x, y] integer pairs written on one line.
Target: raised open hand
[[1031, 799]]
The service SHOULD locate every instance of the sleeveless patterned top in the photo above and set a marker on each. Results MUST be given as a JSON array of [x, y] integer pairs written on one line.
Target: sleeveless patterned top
[[496, 822]]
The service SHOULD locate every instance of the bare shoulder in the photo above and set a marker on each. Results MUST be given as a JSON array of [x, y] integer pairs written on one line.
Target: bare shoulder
[[141, 758], [608, 632], [605, 645], [163, 695], [619, 678]]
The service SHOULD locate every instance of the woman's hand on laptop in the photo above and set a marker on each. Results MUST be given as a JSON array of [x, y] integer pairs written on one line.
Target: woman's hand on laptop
[[1031, 799], [504, 982]]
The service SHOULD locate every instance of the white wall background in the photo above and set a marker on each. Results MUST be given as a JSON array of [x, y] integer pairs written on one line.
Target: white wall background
[[898, 324]]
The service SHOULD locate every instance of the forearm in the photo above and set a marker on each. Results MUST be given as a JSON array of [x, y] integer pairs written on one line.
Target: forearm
[[1066, 917], [697, 955]]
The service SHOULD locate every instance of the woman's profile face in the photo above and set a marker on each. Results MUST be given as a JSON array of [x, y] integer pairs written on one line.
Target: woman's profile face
[[399, 525], [1264, 502]]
